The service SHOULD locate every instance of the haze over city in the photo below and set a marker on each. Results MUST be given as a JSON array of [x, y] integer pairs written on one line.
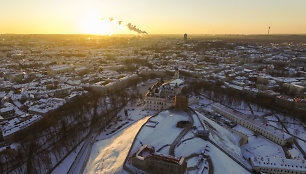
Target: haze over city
[[153, 86], [154, 16]]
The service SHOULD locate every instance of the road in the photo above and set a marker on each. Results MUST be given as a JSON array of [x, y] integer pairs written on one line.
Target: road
[[181, 135], [80, 161], [242, 164]]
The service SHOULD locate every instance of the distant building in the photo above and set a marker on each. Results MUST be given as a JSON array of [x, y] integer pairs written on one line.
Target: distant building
[[294, 89], [279, 166], [53, 70], [275, 135], [148, 160], [185, 36], [11, 127], [7, 111], [59, 60]]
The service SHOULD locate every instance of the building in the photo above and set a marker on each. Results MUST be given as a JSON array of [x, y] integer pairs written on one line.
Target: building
[[275, 135], [294, 89], [185, 36], [162, 96], [293, 153], [279, 166], [148, 160], [7, 111], [10, 127], [53, 70], [181, 102]]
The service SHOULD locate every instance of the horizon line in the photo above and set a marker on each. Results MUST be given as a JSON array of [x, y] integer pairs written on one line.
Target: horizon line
[[147, 34]]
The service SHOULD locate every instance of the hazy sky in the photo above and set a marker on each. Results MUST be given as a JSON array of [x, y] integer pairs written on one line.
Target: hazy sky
[[155, 16]]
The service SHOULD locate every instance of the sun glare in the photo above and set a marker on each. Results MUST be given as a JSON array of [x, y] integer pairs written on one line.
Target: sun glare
[[95, 25]]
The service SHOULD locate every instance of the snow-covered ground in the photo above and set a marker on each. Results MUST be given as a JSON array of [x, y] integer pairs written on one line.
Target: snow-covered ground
[[223, 164], [112, 146], [189, 147], [255, 145], [243, 130], [108, 155], [260, 146], [223, 137], [166, 131], [134, 114], [67, 162]]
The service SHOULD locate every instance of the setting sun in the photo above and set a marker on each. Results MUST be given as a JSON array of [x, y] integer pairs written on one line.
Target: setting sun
[[95, 25]]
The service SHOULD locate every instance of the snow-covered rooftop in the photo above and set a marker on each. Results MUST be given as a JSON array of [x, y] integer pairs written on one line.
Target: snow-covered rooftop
[[283, 163], [251, 121]]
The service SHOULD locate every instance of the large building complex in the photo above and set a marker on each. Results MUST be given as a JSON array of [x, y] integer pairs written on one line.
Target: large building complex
[[162, 96], [275, 135], [279, 166]]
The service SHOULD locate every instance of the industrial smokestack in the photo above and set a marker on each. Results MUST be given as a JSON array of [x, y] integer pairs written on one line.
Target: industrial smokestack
[[269, 30]]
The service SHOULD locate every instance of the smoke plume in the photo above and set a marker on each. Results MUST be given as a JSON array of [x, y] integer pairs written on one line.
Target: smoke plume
[[130, 26], [134, 28]]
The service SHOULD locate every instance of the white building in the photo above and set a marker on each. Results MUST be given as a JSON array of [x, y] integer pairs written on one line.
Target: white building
[[275, 135], [279, 166], [162, 96], [52, 70]]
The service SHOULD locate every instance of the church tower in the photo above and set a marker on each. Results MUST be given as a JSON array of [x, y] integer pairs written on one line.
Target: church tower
[[59, 60]]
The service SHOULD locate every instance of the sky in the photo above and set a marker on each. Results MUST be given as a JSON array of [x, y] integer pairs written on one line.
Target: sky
[[153, 16]]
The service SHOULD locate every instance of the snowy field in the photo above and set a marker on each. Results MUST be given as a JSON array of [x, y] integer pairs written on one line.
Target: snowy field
[[223, 137], [108, 155], [260, 146], [166, 131], [112, 146], [224, 164], [189, 147], [134, 114]]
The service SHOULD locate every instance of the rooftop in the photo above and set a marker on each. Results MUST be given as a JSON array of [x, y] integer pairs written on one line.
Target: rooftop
[[252, 121], [291, 164]]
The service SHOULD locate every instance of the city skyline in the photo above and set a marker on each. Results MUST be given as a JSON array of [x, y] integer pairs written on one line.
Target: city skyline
[[154, 17]]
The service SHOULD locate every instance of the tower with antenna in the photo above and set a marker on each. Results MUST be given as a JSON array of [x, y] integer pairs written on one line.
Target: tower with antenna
[[269, 30]]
